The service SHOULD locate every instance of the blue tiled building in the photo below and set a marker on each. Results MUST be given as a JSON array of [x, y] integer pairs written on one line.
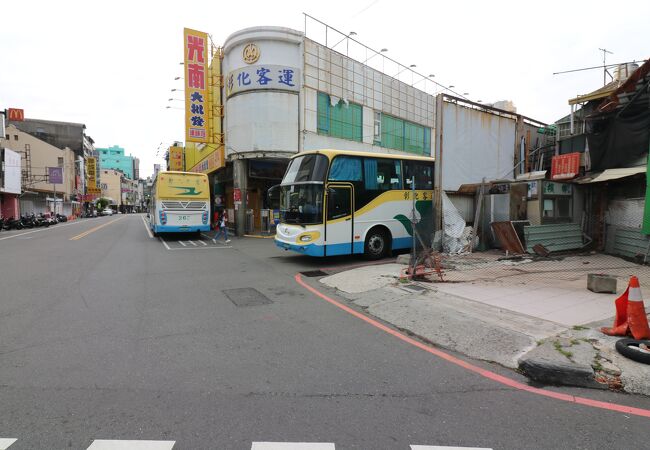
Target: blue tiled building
[[114, 158]]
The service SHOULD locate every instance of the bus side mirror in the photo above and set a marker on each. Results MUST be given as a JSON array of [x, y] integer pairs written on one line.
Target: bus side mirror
[[270, 191]]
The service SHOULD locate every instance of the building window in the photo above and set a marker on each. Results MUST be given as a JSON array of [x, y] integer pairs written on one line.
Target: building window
[[403, 135], [377, 128], [59, 161], [15, 137], [342, 120]]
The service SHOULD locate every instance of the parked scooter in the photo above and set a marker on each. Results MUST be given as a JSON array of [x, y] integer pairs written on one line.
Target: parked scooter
[[13, 224], [61, 218]]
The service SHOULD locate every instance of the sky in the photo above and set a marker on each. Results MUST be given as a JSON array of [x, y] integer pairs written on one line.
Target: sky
[[111, 65]]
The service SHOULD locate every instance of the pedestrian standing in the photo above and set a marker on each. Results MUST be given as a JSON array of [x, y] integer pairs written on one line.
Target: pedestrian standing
[[222, 227]]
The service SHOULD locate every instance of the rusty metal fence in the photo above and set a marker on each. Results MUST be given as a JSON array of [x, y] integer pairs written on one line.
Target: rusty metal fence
[[502, 257]]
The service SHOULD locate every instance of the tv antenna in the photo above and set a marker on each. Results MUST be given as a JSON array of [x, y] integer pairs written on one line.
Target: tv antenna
[[605, 72]]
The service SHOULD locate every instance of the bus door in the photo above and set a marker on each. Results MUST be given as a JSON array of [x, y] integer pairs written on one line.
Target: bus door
[[339, 224]]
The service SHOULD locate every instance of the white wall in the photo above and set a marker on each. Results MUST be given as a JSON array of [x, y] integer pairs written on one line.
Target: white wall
[[263, 119], [475, 144]]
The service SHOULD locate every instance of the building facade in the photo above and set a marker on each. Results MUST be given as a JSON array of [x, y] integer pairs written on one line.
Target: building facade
[[114, 158], [284, 93], [111, 185], [10, 181], [39, 195]]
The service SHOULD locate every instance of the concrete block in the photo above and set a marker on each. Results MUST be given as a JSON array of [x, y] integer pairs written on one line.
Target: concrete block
[[602, 283], [404, 259]]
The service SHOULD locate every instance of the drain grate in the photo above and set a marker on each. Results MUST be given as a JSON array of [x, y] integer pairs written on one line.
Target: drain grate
[[246, 297], [414, 287], [314, 273]]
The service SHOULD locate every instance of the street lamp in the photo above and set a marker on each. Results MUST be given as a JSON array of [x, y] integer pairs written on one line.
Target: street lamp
[[405, 68], [383, 50], [351, 33], [424, 78]]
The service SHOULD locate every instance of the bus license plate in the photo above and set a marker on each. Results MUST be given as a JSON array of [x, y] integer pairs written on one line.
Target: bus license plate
[[183, 218]]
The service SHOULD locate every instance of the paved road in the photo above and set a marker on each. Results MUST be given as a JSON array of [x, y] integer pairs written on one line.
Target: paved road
[[107, 334]]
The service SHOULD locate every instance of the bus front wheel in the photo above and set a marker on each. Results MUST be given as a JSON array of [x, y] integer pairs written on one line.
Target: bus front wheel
[[376, 245]]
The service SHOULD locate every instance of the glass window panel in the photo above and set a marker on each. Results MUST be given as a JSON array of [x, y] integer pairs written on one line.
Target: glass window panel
[[346, 168]]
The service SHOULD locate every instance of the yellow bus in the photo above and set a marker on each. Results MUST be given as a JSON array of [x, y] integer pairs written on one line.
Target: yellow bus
[[335, 202], [180, 203]]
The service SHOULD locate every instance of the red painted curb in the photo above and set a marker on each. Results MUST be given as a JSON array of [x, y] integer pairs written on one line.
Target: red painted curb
[[471, 367]]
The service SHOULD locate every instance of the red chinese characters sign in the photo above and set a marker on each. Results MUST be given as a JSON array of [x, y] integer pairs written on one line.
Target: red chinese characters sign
[[195, 45], [565, 167]]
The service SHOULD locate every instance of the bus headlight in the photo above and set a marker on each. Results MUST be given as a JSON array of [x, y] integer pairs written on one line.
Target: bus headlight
[[305, 238]]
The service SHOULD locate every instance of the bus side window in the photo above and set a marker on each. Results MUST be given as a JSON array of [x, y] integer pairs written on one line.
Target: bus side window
[[382, 174], [423, 173], [345, 168]]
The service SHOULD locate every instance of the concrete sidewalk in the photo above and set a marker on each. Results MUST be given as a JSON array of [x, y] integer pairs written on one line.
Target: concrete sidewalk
[[549, 331]]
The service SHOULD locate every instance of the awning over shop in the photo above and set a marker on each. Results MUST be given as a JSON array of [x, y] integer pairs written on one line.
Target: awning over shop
[[530, 176], [613, 174]]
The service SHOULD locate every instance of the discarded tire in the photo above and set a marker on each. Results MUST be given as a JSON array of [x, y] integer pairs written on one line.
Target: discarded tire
[[630, 349]]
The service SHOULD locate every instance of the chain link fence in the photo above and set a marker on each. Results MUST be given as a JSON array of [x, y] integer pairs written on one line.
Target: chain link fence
[[556, 244]]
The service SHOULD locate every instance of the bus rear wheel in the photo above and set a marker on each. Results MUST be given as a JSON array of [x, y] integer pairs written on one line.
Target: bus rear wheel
[[376, 245]]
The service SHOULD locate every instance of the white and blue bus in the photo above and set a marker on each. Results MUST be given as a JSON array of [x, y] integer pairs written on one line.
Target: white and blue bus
[[335, 202], [180, 203]]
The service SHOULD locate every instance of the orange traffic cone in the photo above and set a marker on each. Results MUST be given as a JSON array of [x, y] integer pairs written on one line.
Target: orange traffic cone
[[630, 314]]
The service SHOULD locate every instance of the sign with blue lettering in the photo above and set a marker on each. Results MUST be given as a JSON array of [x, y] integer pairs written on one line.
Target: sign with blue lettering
[[260, 77]]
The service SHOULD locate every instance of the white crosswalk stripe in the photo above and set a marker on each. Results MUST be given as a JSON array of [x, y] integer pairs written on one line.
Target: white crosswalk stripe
[[106, 444], [437, 447], [5, 443], [101, 444], [292, 446]]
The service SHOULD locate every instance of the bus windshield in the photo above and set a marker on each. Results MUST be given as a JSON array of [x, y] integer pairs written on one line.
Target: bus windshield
[[301, 203], [306, 168]]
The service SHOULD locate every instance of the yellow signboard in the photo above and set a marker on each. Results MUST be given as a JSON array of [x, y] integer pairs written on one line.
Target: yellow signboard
[[182, 186], [211, 162], [176, 158], [91, 174], [195, 47]]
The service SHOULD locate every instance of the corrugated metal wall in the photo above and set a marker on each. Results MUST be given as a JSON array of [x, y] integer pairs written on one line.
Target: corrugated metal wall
[[465, 206], [626, 241]]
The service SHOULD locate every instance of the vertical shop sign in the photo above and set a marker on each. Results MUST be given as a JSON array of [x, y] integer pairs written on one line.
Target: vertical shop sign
[[195, 46]]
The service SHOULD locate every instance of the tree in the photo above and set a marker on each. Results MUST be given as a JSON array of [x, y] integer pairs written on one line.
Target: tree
[[102, 203]]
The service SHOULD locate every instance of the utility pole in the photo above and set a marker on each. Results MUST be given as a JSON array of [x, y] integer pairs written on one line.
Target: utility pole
[[605, 51]]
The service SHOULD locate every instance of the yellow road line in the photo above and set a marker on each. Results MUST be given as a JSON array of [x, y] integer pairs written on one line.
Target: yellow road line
[[256, 236], [92, 230]]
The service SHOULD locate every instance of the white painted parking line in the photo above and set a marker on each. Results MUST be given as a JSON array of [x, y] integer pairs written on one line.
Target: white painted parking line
[[437, 447], [101, 444], [201, 248], [203, 243], [5, 443], [193, 243], [164, 243], [292, 446], [182, 243], [146, 227]]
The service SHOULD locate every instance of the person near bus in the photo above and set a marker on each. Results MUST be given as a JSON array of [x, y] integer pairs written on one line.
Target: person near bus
[[223, 229]]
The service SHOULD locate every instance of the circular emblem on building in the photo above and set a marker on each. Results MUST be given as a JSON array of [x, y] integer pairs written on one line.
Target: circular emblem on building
[[251, 53]]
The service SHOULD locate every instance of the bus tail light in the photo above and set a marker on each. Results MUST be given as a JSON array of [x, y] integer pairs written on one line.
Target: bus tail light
[[163, 217], [205, 217]]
